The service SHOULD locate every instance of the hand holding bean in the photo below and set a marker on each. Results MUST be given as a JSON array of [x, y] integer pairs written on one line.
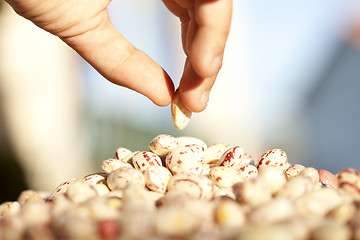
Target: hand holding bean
[[85, 26]]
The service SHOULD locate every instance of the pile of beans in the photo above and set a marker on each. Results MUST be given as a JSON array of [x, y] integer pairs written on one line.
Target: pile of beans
[[183, 189]]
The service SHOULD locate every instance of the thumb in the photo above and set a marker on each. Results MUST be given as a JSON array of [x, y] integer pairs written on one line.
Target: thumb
[[121, 63]]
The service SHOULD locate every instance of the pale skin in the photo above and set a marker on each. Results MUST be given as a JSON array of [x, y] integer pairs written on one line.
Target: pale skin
[[86, 27]]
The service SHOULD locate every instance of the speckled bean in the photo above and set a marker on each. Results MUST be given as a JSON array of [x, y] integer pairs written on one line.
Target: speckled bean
[[157, 178], [198, 150], [232, 158], [112, 164], [61, 189], [193, 185], [183, 159], [225, 177], [142, 160], [248, 171], [214, 152], [128, 158], [121, 177], [273, 158], [185, 140], [179, 113], [121, 152], [293, 170], [95, 178], [349, 180], [162, 144]]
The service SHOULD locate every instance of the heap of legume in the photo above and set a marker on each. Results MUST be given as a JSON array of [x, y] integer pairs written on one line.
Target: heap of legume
[[180, 188]]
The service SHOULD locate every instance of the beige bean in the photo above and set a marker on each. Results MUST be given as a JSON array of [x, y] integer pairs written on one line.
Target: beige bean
[[128, 158], [183, 159], [225, 177], [192, 185], [121, 177], [12, 227], [29, 196], [344, 213], [162, 144], [229, 214], [254, 192], [273, 176], [296, 187], [214, 152], [35, 213], [293, 170], [179, 113], [277, 210], [331, 230], [271, 232], [112, 164], [225, 192], [142, 160], [157, 178], [121, 152], [318, 202], [276, 158], [101, 189], [311, 173], [9, 208], [80, 191]]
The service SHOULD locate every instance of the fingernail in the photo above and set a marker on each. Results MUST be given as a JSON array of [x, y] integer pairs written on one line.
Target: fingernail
[[205, 97]]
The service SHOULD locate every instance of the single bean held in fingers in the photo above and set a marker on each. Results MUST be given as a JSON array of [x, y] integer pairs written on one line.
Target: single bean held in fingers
[[179, 113]]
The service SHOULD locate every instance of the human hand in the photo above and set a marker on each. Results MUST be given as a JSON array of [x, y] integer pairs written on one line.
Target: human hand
[[205, 27], [85, 26]]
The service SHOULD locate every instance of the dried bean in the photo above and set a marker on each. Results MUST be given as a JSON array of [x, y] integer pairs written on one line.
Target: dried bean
[[214, 152], [349, 180], [80, 191], [296, 187], [311, 173], [183, 159], [121, 177], [9, 208], [248, 171], [328, 179], [162, 144], [273, 158], [293, 170], [111, 164], [253, 192], [185, 140], [142, 160], [121, 152], [193, 185], [274, 177], [232, 158], [157, 178], [229, 214], [179, 113], [225, 177]]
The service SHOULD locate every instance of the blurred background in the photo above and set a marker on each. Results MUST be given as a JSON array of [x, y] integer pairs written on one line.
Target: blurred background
[[290, 80]]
